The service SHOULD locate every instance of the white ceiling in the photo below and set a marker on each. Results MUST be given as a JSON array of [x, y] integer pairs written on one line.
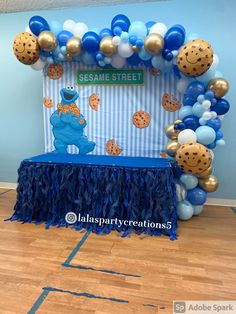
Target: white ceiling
[[7, 6]]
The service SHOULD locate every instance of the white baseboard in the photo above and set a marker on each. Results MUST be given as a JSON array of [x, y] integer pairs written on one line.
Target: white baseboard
[[8, 185], [221, 202], [210, 201]]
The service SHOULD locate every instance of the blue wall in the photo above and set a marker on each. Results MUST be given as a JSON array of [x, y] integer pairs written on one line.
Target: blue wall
[[21, 118]]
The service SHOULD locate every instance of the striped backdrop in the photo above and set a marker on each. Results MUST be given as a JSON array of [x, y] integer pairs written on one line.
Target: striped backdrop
[[114, 118]]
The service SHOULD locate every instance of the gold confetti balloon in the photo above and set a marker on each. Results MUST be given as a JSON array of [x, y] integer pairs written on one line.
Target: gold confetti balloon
[[154, 43], [26, 48], [107, 47], [74, 47], [219, 86], [209, 184], [170, 132], [47, 41], [172, 147]]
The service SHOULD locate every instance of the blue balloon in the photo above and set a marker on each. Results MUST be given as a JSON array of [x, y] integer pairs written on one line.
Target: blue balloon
[[205, 135], [195, 89], [167, 54], [38, 24], [105, 32], [176, 71], [222, 106], [88, 58], [179, 126], [191, 122], [184, 210], [185, 111], [144, 55], [209, 95], [188, 100], [138, 29], [63, 37], [55, 27], [132, 40], [219, 135], [212, 145], [189, 181], [134, 59], [147, 63], [90, 42], [214, 123], [121, 21], [197, 209], [149, 25], [174, 38], [117, 31], [197, 196]]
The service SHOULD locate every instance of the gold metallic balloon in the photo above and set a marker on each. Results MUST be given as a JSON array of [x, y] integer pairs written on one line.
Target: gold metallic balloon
[[73, 47], [220, 87], [209, 184], [170, 132], [47, 41], [154, 43], [172, 147], [107, 47], [205, 174], [178, 121], [135, 48], [68, 57]]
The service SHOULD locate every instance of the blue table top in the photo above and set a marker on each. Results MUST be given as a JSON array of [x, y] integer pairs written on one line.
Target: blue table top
[[134, 162]]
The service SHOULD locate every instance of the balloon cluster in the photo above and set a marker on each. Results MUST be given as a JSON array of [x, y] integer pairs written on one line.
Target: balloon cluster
[[123, 43], [192, 138]]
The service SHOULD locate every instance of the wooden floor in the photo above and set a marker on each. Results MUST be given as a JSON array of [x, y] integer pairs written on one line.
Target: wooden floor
[[64, 271]]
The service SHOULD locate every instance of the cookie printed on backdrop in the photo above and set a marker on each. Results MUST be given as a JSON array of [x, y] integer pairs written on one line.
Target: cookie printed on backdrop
[[182, 97]]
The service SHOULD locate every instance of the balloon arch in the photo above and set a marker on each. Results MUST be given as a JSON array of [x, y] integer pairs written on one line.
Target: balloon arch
[[197, 131]]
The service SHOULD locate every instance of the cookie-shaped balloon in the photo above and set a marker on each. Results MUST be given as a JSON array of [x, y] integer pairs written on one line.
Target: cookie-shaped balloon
[[170, 104], [195, 57], [112, 148], [141, 119], [94, 102], [55, 71], [26, 48], [193, 158], [48, 102]]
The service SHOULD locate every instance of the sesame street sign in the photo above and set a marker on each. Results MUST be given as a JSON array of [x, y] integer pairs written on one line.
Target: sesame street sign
[[111, 77]]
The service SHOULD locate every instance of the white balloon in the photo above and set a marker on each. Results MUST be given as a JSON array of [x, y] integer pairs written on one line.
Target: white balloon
[[80, 29], [125, 50], [187, 136], [39, 65], [181, 192], [212, 154], [215, 61], [207, 115], [116, 40], [158, 28], [213, 114], [221, 117], [69, 25], [206, 104], [117, 61], [182, 85]]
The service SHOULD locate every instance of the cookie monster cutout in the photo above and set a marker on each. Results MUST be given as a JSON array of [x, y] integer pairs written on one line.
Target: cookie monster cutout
[[68, 124]]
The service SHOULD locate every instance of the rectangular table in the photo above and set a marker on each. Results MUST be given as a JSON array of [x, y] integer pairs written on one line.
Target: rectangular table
[[125, 193]]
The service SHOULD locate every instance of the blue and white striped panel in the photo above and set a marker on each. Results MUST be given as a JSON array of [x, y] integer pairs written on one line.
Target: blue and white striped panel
[[114, 118]]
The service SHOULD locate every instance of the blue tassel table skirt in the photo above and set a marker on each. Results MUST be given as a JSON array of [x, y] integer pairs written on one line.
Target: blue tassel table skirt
[[128, 193]]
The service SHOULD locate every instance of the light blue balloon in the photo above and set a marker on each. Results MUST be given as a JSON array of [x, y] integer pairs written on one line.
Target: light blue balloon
[[189, 181], [200, 99], [144, 55], [198, 109], [87, 58], [184, 210], [61, 57], [218, 74], [49, 60], [138, 29], [202, 121], [207, 76], [197, 209], [185, 111], [55, 27], [220, 142], [63, 50], [124, 37], [205, 135]]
